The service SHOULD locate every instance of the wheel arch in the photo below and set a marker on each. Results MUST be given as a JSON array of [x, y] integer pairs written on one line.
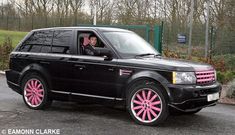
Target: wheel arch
[[149, 76], [36, 68]]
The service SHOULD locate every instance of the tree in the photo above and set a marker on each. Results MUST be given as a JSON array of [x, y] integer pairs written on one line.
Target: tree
[[75, 6]]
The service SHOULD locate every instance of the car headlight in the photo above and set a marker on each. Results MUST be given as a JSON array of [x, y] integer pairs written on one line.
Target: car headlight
[[183, 78]]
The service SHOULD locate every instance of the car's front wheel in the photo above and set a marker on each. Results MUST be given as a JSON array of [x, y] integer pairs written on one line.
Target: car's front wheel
[[147, 105], [35, 92]]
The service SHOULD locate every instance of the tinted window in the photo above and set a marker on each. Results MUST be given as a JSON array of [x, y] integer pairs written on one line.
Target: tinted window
[[38, 41], [61, 41], [46, 48], [24, 48], [40, 37]]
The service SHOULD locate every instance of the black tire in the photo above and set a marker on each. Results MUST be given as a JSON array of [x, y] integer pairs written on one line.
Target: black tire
[[162, 114], [45, 101]]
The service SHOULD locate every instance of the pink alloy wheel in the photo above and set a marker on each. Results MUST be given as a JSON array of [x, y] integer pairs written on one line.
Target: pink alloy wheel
[[33, 92], [146, 105]]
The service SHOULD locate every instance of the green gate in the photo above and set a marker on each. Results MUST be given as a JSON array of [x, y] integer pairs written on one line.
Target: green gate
[[153, 35]]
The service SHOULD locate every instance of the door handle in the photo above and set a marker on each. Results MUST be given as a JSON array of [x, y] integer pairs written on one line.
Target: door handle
[[80, 66], [111, 69], [44, 62]]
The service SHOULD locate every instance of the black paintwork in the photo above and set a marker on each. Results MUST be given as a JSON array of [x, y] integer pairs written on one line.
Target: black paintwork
[[93, 75]]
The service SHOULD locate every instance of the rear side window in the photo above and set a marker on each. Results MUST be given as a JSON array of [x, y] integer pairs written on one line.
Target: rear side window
[[39, 41], [61, 41]]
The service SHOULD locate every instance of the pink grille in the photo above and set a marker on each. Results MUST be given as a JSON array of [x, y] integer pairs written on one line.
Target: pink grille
[[205, 77]]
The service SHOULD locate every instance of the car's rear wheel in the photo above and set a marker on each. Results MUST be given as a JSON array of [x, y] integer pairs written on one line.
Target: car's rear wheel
[[147, 105], [35, 92]]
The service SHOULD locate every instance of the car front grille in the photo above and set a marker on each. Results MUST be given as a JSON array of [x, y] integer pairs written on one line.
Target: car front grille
[[205, 77]]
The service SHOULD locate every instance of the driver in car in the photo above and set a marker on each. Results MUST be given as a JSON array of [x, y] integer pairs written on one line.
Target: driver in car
[[89, 49]]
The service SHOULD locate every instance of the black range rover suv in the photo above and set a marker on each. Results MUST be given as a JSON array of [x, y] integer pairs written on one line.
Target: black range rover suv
[[50, 64]]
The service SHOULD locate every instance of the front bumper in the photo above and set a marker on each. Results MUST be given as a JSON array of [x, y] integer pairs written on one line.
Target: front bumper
[[192, 97]]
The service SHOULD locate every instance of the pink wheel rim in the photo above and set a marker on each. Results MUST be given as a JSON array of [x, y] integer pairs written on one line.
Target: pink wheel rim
[[146, 105], [33, 92]]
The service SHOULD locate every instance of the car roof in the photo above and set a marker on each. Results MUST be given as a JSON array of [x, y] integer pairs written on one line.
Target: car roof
[[106, 29]]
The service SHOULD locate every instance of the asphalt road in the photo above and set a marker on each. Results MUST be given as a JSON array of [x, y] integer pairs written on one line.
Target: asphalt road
[[72, 118]]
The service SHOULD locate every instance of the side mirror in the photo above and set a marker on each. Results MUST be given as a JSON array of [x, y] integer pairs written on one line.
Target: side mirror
[[104, 52]]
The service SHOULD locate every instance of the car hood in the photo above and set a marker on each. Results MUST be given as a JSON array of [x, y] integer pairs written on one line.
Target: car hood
[[170, 64]]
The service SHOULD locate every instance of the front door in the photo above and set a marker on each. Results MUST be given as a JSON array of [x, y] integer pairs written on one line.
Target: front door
[[94, 75]]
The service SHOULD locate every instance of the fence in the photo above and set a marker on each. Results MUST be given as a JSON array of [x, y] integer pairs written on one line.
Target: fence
[[221, 40]]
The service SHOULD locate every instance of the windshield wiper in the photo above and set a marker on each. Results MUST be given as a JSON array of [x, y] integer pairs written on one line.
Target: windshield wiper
[[146, 54]]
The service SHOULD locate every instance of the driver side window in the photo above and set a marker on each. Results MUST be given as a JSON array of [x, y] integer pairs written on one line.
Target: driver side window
[[88, 42]]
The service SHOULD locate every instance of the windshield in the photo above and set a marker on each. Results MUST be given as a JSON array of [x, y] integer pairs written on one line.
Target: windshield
[[129, 44]]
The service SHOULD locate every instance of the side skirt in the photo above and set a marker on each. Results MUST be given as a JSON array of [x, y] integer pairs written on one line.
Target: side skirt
[[87, 95]]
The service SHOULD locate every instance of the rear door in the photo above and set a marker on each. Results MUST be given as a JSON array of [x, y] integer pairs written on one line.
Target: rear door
[[30, 50], [60, 69], [51, 50]]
